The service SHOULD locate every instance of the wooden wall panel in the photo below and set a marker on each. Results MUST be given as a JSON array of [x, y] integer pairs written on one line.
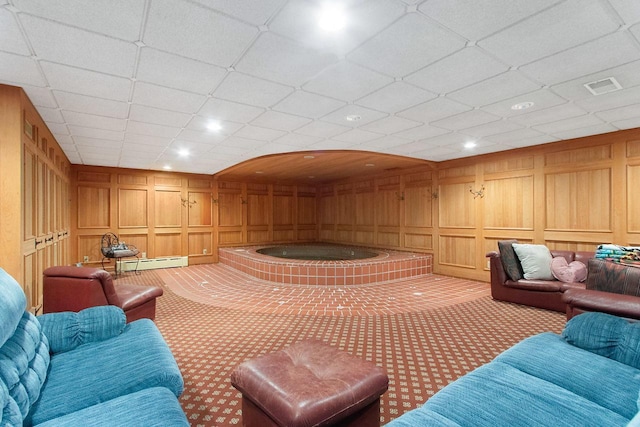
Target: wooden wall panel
[[132, 208], [200, 243], [230, 209], [457, 251], [365, 212], [307, 208], [457, 205], [418, 206], [283, 210], [422, 242], [200, 209], [168, 208], [509, 203], [257, 209], [633, 201], [388, 207], [167, 245]]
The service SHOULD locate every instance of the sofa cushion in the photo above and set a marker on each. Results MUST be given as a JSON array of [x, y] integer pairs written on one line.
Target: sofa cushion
[[608, 276], [152, 407], [13, 303], [96, 372], [535, 261], [606, 335], [67, 330], [509, 259], [574, 271]]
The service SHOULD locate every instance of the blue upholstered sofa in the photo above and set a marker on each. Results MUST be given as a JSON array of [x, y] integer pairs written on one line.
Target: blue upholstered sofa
[[587, 376], [88, 368]]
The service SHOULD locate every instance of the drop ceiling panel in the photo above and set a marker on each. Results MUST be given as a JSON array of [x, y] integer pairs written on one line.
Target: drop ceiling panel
[[627, 123], [346, 81], [543, 98], [245, 89], [466, 120], [610, 100], [16, 69], [165, 69], [397, 96], [111, 135], [561, 27], [386, 52], [152, 129], [39, 96], [84, 82], [146, 140], [390, 125], [167, 98], [11, 39], [357, 136], [463, 68], [93, 121], [421, 132], [116, 18], [250, 11], [568, 124], [281, 60], [201, 124], [297, 140], [434, 110], [79, 48], [366, 115], [493, 128], [201, 136], [622, 113], [83, 142], [92, 105], [227, 110], [51, 115], [259, 133], [585, 131], [280, 121], [307, 104], [196, 32], [547, 115], [515, 135], [142, 113], [503, 86], [628, 10], [476, 19], [320, 129]]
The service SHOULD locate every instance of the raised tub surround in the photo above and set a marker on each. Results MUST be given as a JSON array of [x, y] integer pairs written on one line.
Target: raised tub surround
[[387, 265]]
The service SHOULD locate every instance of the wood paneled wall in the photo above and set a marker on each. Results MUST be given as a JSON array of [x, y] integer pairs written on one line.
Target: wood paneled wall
[[162, 214]]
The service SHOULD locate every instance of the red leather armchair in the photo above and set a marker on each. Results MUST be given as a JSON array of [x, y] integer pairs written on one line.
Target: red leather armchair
[[76, 288]]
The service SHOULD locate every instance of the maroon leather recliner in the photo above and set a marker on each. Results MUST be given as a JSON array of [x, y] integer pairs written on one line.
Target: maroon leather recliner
[[69, 288]]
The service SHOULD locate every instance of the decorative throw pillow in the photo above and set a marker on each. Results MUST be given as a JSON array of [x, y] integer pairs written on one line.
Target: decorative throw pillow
[[574, 271], [509, 259], [535, 261]]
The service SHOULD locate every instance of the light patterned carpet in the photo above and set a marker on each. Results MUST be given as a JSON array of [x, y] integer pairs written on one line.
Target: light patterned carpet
[[422, 350]]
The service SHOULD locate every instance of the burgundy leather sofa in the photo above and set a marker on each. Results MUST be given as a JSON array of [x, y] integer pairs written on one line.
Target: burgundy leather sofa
[[545, 294], [69, 288]]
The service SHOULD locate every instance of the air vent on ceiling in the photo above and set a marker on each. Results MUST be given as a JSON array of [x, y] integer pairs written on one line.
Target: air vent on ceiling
[[610, 84]]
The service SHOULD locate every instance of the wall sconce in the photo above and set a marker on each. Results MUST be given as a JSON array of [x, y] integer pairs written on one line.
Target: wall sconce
[[215, 201], [434, 195], [477, 193], [244, 202], [187, 202], [400, 196]]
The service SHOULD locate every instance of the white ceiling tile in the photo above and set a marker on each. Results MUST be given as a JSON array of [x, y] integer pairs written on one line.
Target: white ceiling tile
[[494, 89], [135, 161], [201, 124], [109, 145], [219, 109], [628, 10], [94, 121], [20, 70], [357, 136], [280, 121], [91, 83], [260, 133], [40, 96], [142, 113], [366, 116], [610, 100], [74, 157], [386, 52], [92, 105], [437, 154], [274, 148], [152, 129], [196, 32], [142, 151], [585, 131], [476, 19], [436, 109], [450, 139], [347, 82], [515, 135], [563, 26], [547, 115], [146, 139], [65, 140], [166, 98], [322, 129], [50, 115], [194, 148], [329, 144], [298, 21], [622, 113], [11, 39], [606, 52], [543, 98], [58, 128], [421, 132], [463, 68], [117, 18], [497, 127], [568, 124], [201, 136], [466, 120], [251, 11], [281, 60], [177, 72], [245, 89], [79, 131], [390, 125], [307, 104], [387, 142], [395, 97], [627, 75], [411, 148], [237, 154], [298, 140], [635, 30], [627, 123], [240, 143], [79, 48]]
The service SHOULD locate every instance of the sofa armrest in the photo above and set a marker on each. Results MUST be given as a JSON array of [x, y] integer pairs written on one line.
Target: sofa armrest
[[584, 300], [68, 330]]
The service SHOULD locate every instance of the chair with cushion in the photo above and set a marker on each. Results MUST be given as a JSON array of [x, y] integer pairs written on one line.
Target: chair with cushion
[[69, 288], [113, 248]]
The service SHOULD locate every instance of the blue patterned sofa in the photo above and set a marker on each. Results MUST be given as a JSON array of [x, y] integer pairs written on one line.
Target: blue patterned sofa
[[587, 376], [88, 368]]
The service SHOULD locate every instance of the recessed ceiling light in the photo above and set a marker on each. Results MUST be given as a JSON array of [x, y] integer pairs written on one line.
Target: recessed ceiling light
[[259, 172], [353, 118], [183, 152], [214, 126], [369, 165], [522, 105], [167, 167], [332, 17], [309, 157], [312, 176], [470, 144]]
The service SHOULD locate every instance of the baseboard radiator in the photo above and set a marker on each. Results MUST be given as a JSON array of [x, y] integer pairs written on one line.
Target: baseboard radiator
[[153, 263]]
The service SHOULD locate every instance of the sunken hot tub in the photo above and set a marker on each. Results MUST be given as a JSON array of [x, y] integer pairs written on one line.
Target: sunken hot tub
[[325, 264]]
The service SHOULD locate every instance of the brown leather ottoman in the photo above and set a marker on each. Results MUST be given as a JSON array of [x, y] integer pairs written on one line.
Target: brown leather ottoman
[[310, 384]]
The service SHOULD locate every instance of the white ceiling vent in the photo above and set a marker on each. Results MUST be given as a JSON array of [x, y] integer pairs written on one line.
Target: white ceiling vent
[[607, 85]]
